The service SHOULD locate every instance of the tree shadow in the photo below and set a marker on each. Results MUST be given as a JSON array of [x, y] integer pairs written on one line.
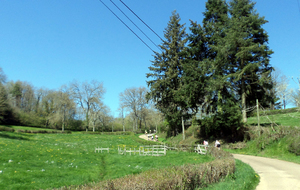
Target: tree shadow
[[265, 124], [8, 136]]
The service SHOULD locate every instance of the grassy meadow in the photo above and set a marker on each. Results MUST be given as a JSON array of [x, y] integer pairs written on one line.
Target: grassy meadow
[[41, 161], [287, 119]]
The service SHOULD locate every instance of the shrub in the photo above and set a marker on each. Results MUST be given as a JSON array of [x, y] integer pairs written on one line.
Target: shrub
[[8, 129]]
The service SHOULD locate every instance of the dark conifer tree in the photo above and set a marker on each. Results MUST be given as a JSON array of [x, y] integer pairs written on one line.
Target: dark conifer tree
[[166, 75], [249, 54], [215, 24]]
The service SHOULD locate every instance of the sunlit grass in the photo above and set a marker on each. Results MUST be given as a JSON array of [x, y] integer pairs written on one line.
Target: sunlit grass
[[39, 161], [288, 119]]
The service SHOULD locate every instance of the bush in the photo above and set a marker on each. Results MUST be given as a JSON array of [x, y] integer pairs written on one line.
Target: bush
[[8, 129], [294, 145]]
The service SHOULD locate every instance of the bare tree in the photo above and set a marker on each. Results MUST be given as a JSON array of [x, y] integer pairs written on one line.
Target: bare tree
[[296, 93], [85, 94], [283, 92], [135, 101], [122, 112], [104, 117], [97, 109], [65, 105]]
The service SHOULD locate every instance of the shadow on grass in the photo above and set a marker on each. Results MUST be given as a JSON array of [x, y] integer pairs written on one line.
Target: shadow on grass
[[8, 136], [265, 124]]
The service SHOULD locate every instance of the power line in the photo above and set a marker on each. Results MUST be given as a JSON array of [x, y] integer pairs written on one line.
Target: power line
[[126, 25], [134, 23], [141, 20]]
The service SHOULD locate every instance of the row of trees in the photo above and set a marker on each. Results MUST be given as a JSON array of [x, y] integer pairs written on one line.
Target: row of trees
[[76, 106], [22, 103], [220, 68]]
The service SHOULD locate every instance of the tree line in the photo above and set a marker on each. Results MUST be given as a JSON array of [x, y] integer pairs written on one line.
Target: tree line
[[76, 106], [216, 71]]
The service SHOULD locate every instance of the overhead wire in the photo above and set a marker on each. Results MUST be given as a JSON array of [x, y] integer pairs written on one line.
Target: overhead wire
[[134, 24], [141, 20], [126, 26]]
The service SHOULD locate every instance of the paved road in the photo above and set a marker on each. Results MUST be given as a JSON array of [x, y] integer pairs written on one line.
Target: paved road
[[274, 174]]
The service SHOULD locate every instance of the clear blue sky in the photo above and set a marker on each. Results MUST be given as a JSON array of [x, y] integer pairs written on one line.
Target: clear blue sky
[[51, 43]]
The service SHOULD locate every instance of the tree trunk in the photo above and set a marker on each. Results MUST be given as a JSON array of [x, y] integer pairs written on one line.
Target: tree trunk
[[244, 97]]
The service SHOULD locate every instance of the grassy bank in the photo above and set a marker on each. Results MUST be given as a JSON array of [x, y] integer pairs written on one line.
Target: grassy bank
[[244, 178], [281, 142]]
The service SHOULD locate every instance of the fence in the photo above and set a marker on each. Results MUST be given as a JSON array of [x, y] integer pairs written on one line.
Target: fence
[[101, 149], [151, 150], [201, 149], [154, 150]]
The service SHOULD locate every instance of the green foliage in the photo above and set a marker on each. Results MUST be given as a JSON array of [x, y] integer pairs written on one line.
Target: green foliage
[[7, 114], [165, 78], [226, 123]]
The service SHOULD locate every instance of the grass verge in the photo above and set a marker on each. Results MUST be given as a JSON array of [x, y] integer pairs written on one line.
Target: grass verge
[[244, 178]]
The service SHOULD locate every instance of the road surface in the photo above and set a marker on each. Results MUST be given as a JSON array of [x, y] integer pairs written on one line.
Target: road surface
[[274, 174]]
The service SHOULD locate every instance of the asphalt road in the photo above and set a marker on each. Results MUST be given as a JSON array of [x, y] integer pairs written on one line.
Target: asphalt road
[[274, 174]]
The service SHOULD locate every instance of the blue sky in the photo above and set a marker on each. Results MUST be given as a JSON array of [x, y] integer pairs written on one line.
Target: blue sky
[[51, 43]]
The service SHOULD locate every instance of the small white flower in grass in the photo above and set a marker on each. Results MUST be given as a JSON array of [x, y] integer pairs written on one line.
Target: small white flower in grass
[[9, 161], [52, 162], [43, 170], [128, 165], [1, 171], [76, 167], [19, 162]]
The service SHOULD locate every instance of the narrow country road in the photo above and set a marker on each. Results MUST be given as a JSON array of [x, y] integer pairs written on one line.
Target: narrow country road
[[274, 174]]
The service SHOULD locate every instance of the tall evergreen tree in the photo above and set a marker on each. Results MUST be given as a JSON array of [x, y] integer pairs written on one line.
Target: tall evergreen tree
[[215, 24], [166, 74], [248, 53], [195, 77]]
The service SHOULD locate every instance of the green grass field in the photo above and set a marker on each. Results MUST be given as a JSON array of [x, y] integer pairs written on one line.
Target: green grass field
[[288, 119], [41, 161]]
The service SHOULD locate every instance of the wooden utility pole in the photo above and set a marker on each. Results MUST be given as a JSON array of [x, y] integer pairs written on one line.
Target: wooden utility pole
[[258, 123], [183, 136]]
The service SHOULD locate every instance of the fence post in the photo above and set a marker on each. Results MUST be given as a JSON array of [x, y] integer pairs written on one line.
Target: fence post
[[258, 123]]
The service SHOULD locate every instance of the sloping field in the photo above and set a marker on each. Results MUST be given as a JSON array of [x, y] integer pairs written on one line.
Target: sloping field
[[41, 161], [287, 119]]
